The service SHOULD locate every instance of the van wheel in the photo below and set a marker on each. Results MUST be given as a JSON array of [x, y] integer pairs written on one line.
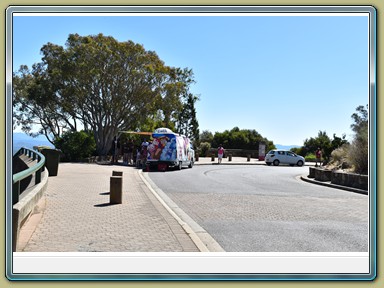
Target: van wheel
[[300, 163], [180, 165], [276, 162], [190, 164]]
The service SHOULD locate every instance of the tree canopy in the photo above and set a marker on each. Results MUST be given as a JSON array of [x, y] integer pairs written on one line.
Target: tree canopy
[[103, 86], [237, 138]]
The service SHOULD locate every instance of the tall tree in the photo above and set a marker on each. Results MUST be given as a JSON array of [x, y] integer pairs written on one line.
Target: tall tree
[[358, 150], [100, 84], [187, 123]]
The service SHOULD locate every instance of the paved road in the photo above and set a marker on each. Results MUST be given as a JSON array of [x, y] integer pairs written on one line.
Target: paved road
[[268, 209]]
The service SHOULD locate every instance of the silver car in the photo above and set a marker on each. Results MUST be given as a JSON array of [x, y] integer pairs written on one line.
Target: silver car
[[277, 157]]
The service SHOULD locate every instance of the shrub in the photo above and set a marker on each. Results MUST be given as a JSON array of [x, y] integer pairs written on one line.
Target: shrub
[[310, 158], [358, 156], [76, 146], [339, 157], [204, 148]]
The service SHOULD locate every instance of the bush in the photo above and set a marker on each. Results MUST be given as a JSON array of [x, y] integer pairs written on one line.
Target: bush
[[339, 157], [310, 158], [204, 148], [358, 156], [76, 146]]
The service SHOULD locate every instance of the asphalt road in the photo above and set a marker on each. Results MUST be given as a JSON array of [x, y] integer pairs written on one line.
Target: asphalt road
[[268, 209]]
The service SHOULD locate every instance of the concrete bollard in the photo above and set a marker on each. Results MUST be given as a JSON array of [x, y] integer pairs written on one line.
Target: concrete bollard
[[117, 173], [116, 190]]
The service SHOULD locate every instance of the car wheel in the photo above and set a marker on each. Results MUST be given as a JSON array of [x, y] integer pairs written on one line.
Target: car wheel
[[269, 163], [276, 162], [300, 163], [180, 165]]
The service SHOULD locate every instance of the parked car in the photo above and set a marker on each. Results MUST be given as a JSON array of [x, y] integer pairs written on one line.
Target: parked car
[[277, 157]]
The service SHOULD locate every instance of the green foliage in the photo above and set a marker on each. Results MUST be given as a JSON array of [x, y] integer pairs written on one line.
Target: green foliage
[[323, 142], [241, 139], [105, 85], [310, 157], [337, 151], [76, 146], [360, 118], [206, 136], [187, 123], [204, 149]]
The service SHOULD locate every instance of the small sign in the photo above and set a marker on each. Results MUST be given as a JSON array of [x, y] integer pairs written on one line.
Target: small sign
[[261, 151]]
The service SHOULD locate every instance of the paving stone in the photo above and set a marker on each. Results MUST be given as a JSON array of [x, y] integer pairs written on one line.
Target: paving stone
[[79, 218]]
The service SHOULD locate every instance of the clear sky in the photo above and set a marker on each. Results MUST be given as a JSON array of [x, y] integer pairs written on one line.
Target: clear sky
[[285, 76]]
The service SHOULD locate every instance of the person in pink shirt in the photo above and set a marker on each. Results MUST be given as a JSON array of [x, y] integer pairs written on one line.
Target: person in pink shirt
[[220, 153]]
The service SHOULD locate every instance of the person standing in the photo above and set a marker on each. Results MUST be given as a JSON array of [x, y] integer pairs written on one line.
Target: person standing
[[125, 153], [318, 156], [220, 153], [115, 149], [144, 153], [130, 152]]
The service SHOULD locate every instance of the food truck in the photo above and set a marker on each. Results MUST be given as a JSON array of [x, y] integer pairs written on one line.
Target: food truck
[[169, 149]]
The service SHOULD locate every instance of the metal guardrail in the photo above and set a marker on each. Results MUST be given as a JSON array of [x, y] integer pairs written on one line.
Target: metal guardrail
[[37, 169]]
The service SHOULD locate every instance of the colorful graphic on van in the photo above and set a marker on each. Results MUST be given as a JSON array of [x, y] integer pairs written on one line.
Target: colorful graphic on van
[[163, 148]]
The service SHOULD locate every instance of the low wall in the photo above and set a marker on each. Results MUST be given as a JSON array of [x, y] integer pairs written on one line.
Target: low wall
[[351, 180], [235, 153], [23, 209], [323, 175], [339, 178]]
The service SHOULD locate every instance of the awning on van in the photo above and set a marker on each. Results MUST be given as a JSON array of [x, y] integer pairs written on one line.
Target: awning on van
[[137, 133]]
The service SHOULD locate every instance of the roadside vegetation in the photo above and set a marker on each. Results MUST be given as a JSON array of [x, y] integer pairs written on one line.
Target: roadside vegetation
[[236, 138], [338, 153]]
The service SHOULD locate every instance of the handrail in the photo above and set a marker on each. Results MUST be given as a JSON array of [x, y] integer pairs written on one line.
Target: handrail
[[37, 168]]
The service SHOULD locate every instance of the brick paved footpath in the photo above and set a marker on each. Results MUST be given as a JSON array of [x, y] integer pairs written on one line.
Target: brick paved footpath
[[78, 217]]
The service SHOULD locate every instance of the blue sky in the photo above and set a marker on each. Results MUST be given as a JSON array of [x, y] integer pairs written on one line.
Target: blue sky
[[285, 76]]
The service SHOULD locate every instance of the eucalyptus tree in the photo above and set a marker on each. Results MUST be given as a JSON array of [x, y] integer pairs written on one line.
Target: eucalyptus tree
[[102, 85]]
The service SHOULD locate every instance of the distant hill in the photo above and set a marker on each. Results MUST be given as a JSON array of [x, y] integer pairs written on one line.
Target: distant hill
[[23, 140], [286, 147]]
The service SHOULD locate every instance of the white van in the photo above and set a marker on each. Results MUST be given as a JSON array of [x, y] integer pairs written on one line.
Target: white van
[[169, 149]]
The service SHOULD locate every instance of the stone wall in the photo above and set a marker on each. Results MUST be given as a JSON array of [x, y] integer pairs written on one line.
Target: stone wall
[[339, 178], [351, 180]]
